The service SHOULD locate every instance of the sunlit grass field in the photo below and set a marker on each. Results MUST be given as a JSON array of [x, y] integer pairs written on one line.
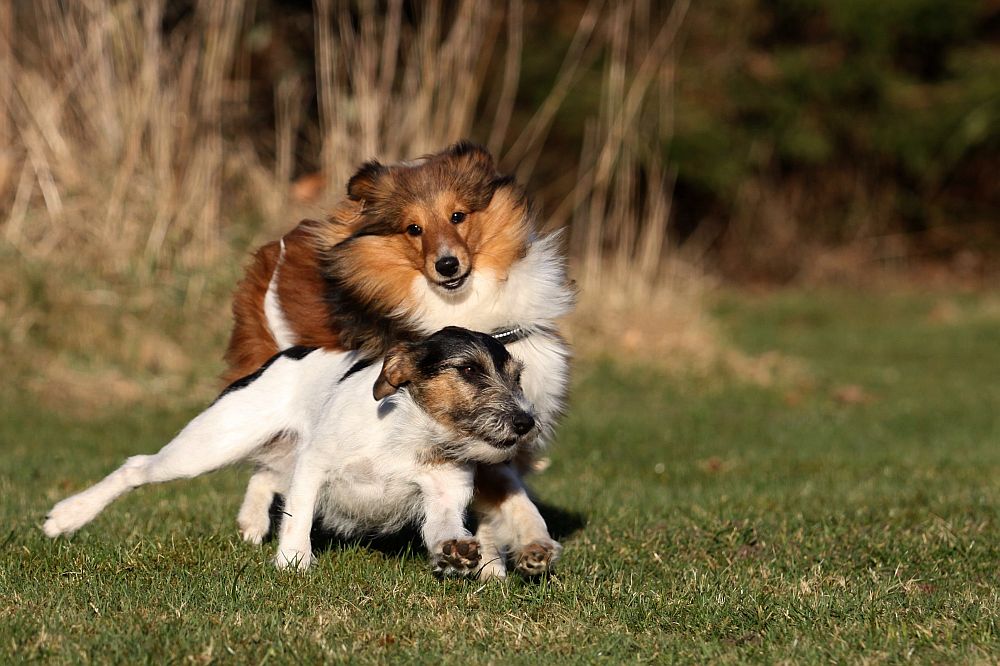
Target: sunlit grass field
[[847, 510]]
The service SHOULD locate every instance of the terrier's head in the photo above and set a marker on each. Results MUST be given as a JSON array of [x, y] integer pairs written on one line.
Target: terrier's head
[[468, 382]]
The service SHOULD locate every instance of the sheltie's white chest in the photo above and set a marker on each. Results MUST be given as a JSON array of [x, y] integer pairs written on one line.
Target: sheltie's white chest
[[533, 295]]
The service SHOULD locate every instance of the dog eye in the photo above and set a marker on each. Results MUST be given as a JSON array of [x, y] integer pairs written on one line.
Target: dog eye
[[468, 370], [457, 217], [414, 230]]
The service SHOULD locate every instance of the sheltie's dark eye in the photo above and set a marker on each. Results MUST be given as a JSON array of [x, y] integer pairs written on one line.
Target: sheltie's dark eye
[[414, 230], [457, 217], [469, 370]]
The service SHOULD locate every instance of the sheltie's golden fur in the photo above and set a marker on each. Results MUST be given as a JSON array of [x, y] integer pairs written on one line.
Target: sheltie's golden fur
[[346, 282]]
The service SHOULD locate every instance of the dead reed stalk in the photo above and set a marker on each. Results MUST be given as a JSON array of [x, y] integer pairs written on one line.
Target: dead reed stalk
[[126, 171]]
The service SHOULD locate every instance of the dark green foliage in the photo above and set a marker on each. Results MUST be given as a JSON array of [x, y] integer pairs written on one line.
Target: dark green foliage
[[832, 107]]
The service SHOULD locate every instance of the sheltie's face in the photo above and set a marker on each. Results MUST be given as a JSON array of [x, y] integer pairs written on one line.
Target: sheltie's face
[[440, 218]]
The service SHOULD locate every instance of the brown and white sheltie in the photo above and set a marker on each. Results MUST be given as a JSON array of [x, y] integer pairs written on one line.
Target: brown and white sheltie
[[440, 241]]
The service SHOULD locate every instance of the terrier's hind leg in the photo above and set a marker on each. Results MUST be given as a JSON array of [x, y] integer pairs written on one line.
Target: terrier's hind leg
[[74, 512], [276, 461], [254, 519], [493, 558], [227, 432], [294, 543]]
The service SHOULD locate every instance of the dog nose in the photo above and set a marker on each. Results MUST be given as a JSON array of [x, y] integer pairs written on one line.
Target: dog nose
[[523, 423], [447, 266]]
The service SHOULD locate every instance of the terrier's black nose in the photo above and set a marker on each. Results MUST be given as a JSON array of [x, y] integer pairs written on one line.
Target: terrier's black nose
[[523, 423], [447, 266]]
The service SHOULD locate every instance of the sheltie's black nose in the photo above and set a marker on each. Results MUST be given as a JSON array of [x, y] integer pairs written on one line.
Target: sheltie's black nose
[[523, 423], [447, 266]]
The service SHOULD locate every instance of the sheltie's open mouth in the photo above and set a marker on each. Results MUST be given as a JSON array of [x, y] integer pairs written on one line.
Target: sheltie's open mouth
[[456, 283]]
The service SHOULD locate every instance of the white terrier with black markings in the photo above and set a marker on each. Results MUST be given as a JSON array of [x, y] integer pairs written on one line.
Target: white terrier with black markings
[[358, 465]]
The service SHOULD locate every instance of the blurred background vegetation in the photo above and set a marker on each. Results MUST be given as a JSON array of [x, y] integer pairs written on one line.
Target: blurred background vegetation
[[146, 147], [796, 127], [817, 134]]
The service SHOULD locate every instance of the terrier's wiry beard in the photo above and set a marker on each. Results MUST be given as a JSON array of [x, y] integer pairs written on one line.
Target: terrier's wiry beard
[[492, 420]]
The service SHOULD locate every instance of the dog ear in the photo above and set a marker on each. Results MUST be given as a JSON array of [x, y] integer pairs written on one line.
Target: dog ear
[[364, 184], [397, 371], [473, 153], [474, 160], [477, 177]]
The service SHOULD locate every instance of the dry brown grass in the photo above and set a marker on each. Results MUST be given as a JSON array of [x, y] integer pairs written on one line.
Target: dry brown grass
[[130, 191]]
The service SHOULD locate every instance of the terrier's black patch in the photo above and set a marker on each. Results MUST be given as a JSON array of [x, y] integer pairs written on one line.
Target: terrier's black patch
[[452, 342], [296, 353], [357, 367]]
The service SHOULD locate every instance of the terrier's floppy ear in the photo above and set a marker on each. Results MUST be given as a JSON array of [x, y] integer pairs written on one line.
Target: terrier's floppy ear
[[397, 371], [364, 184]]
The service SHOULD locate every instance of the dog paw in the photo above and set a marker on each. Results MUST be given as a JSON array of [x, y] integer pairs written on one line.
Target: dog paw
[[537, 557], [456, 557], [493, 569], [254, 531], [53, 528], [293, 558], [67, 517], [494, 564], [253, 535]]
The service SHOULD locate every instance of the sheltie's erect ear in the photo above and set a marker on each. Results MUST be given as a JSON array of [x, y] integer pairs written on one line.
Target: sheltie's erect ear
[[475, 155], [476, 175], [364, 184]]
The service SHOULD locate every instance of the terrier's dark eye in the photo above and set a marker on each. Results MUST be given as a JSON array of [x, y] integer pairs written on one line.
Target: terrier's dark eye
[[414, 230], [469, 370], [457, 217]]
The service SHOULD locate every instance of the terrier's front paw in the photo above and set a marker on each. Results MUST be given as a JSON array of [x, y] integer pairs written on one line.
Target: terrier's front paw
[[537, 557], [293, 558], [456, 557]]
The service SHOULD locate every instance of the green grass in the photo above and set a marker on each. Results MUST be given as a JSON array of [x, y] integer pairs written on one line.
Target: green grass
[[703, 520]]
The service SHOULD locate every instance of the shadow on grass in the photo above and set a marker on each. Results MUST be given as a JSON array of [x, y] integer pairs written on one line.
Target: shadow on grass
[[562, 524]]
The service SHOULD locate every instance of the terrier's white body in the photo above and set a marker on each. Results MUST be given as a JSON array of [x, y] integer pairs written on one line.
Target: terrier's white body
[[357, 463], [309, 420]]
